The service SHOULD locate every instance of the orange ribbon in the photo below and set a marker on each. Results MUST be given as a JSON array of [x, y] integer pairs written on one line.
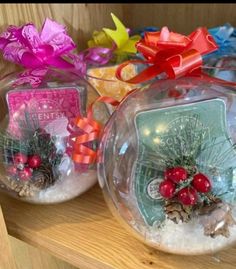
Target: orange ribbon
[[170, 53], [84, 130]]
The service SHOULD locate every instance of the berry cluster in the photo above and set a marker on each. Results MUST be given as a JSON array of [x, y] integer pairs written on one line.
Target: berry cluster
[[22, 166], [188, 195]]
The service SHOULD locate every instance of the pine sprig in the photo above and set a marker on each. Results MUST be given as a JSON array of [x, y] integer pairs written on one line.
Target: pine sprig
[[192, 148], [188, 145], [31, 140]]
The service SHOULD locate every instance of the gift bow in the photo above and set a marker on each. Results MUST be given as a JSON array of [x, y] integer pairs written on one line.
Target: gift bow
[[118, 40], [51, 47], [171, 53], [32, 49]]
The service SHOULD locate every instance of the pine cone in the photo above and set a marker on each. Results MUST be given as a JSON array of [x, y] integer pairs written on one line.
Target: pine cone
[[44, 176], [216, 218], [39, 179], [177, 212]]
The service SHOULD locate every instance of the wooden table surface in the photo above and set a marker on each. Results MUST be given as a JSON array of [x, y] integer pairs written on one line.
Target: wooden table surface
[[84, 233]]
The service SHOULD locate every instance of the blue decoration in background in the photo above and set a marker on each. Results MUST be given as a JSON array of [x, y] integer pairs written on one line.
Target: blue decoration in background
[[225, 37], [224, 59]]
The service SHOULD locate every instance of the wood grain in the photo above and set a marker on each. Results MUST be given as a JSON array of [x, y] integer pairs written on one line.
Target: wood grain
[[183, 18], [83, 233], [28, 257], [6, 257]]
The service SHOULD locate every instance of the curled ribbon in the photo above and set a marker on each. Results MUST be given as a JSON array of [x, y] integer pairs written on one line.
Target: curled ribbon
[[51, 47], [170, 53], [84, 130], [90, 57]]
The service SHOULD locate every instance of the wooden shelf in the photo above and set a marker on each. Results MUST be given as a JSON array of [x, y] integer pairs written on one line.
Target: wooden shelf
[[84, 233]]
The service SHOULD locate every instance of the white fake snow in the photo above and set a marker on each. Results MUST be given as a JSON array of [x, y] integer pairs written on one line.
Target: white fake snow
[[186, 238], [65, 188]]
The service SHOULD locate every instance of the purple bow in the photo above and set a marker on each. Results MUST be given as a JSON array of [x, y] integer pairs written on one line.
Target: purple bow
[[91, 57], [51, 47]]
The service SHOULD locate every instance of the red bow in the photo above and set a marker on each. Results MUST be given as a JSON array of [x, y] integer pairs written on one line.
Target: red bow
[[171, 53]]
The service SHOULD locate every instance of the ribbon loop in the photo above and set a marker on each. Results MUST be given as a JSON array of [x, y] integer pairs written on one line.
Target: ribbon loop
[[181, 64], [84, 130]]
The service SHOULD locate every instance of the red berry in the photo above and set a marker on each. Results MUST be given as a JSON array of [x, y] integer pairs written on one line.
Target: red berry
[[34, 161], [201, 183], [12, 170], [176, 174], [20, 158], [25, 174], [168, 173], [167, 189], [187, 196]]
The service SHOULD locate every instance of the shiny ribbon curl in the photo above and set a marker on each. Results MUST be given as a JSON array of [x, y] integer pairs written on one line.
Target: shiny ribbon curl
[[170, 53], [51, 47], [84, 130]]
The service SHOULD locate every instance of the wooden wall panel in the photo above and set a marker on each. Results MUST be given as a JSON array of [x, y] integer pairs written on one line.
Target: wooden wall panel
[[179, 17]]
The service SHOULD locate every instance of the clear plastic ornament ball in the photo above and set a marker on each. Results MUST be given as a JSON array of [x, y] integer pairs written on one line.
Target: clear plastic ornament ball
[[167, 165], [38, 135]]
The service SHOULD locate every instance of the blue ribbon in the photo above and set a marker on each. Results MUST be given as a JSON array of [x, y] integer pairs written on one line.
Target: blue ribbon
[[225, 37]]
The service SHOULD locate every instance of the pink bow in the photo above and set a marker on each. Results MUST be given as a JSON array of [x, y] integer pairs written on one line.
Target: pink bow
[[51, 47], [26, 46]]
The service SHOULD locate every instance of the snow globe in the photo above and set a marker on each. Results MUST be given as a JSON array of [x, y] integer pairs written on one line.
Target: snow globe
[[37, 138], [46, 152], [167, 165]]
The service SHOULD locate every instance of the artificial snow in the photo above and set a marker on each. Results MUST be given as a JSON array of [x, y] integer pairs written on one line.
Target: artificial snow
[[186, 238], [65, 188]]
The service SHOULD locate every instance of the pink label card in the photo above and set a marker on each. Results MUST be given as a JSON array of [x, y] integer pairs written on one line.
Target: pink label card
[[48, 108]]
